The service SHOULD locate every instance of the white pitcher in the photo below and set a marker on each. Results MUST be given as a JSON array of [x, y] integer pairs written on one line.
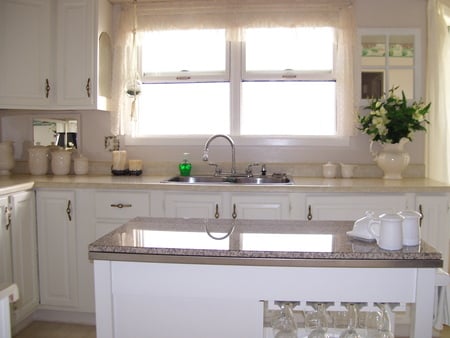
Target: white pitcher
[[411, 227]]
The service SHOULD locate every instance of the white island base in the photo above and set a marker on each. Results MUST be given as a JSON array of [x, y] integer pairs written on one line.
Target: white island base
[[170, 300]]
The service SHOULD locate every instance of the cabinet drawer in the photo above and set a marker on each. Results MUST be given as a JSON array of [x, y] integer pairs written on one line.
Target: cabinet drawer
[[121, 205]]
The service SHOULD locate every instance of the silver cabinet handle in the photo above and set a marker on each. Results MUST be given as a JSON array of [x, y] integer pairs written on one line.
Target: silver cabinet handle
[[121, 205], [88, 87], [234, 214], [69, 210], [216, 214], [8, 212], [47, 88], [310, 216]]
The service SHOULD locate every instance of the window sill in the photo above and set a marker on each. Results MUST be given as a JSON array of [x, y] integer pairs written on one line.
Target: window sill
[[310, 141]]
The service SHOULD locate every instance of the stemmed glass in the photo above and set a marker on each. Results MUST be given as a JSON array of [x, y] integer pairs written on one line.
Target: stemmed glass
[[350, 332], [284, 325], [317, 321]]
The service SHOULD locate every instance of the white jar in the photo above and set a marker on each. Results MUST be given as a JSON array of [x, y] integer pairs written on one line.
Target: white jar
[[80, 165], [6, 157], [329, 170], [38, 160], [61, 162]]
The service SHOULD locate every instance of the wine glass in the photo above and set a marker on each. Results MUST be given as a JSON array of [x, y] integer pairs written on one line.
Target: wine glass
[[284, 325], [317, 321], [351, 332]]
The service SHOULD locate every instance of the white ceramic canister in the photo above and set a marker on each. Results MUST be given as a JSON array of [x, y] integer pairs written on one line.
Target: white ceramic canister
[[329, 170], [80, 165], [411, 227], [61, 160], [6, 157], [38, 160]]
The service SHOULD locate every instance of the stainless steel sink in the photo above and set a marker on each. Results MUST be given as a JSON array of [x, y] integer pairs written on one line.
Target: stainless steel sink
[[275, 179]]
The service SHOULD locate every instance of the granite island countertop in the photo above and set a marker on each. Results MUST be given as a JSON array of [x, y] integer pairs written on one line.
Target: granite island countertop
[[253, 242]]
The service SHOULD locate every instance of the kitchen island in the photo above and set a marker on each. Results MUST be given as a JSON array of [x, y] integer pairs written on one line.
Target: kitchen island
[[162, 277]]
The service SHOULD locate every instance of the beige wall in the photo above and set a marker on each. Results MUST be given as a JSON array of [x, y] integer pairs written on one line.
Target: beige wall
[[369, 13]]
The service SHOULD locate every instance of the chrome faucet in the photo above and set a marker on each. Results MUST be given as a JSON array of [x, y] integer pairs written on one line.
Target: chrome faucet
[[233, 154]]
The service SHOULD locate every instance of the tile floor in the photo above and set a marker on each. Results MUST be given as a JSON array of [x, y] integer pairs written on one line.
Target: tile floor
[[62, 330], [39, 329]]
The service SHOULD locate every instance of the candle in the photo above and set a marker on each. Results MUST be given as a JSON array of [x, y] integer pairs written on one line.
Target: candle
[[135, 165], [119, 159]]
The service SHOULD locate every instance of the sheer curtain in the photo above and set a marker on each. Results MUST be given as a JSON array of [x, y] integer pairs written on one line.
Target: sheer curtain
[[438, 87], [236, 15]]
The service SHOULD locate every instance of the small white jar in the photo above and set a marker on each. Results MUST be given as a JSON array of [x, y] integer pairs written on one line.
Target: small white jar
[[61, 162], [38, 160], [329, 170], [80, 165]]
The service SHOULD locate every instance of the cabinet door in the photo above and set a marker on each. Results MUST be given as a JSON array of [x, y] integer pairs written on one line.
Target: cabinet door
[[188, 205], [76, 83], [435, 222], [24, 253], [261, 206], [5, 244], [25, 36], [57, 248], [337, 207]]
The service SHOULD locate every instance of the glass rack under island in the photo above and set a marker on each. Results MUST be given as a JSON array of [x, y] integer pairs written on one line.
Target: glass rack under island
[[170, 277]]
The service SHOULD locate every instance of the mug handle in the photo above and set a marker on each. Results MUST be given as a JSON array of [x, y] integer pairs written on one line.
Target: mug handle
[[374, 228]]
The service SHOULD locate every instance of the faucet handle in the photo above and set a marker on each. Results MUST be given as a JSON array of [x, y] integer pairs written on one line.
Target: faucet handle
[[217, 169], [249, 171]]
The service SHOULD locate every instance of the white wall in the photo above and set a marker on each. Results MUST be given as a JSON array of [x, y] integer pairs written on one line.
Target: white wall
[[369, 13]]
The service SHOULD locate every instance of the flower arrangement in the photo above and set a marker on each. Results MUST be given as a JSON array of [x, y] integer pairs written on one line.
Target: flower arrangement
[[390, 118]]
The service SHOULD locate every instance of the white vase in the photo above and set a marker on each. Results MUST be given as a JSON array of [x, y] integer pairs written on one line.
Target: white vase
[[392, 159]]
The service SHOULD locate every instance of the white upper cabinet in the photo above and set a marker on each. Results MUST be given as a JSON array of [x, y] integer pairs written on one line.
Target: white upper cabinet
[[50, 53], [25, 53], [388, 58]]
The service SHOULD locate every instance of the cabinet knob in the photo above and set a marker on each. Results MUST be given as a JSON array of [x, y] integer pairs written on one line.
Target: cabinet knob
[[234, 214], [121, 205]]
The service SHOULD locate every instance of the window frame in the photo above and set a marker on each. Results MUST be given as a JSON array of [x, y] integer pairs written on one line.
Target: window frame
[[235, 73]]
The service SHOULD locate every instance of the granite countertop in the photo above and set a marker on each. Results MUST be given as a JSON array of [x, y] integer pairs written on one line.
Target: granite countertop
[[301, 184], [298, 243]]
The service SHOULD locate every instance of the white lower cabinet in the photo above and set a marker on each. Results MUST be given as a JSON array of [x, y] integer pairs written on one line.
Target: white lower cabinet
[[222, 205], [24, 253], [57, 236]]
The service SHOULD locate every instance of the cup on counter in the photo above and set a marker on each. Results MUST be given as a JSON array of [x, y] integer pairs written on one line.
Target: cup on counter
[[135, 167], [411, 227], [388, 231], [329, 170]]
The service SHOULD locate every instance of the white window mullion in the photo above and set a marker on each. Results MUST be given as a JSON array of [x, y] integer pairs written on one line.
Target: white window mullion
[[235, 86]]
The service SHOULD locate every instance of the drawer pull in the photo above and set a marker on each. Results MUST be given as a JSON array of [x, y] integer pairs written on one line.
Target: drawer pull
[[216, 214], [234, 214], [69, 210], [8, 212], [310, 216], [121, 205]]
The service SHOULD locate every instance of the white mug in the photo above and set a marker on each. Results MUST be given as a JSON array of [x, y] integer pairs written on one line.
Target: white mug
[[411, 227], [388, 231]]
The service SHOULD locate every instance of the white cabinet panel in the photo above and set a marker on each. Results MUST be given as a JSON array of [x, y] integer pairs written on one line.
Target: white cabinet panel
[[5, 244], [341, 207], [261, 206], [194, 205], [57, 248], [24, 253]]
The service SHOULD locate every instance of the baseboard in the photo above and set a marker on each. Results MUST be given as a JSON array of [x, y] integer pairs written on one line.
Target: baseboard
[[85, 318]]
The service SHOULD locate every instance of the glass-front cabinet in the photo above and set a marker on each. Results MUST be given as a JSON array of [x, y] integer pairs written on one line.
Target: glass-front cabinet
[[389, 58]]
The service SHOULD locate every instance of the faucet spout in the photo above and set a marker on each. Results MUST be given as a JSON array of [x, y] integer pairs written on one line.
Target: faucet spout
[[233, 153]]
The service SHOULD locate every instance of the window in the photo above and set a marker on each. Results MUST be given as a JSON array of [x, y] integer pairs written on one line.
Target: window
[[277, 82]]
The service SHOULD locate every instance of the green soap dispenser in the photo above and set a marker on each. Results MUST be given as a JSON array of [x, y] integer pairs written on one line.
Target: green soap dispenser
[[185, 166]]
